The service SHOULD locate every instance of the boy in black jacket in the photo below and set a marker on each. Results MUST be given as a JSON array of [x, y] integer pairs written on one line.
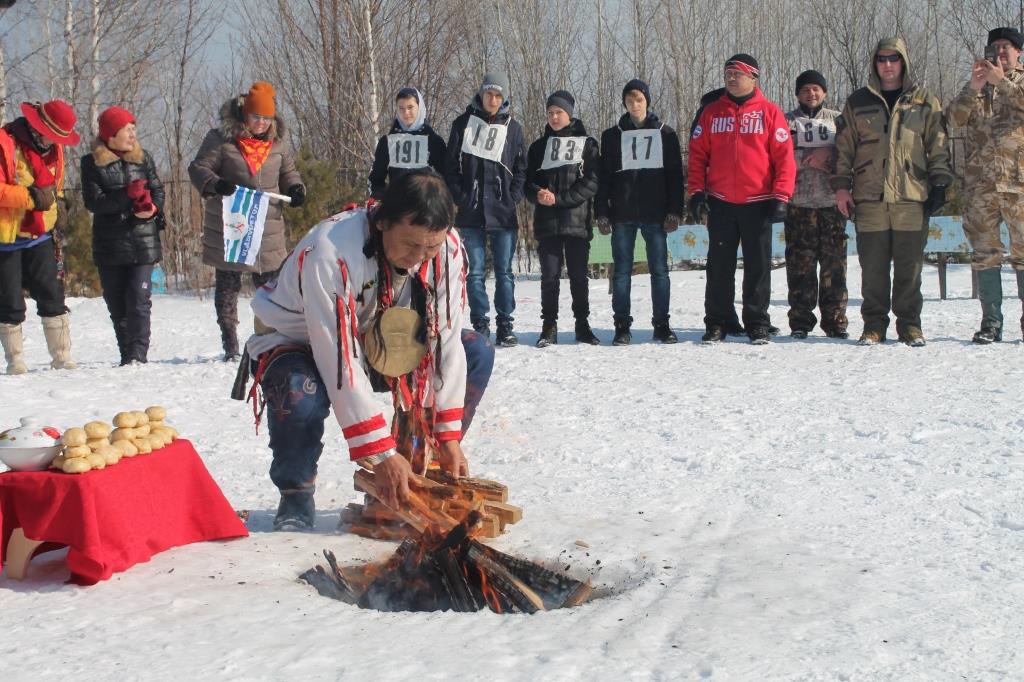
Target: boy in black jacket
[[561, 179], [486, 171], [641, 189], [410, 144]]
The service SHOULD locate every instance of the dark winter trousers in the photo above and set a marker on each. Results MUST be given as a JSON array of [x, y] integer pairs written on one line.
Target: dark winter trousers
[[225, 299], [298, 404], [574, 252], [891, 235], [127, 289], [730, 225], [816, 236], [35, 269]]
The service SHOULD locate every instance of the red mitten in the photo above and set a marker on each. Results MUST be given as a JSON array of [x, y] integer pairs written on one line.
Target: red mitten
[[136, 189]]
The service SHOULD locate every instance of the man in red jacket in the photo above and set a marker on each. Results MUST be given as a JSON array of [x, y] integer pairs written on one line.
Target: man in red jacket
[[742, 172]]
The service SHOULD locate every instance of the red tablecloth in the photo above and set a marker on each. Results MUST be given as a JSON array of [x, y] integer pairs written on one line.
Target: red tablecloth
[[120, 516]]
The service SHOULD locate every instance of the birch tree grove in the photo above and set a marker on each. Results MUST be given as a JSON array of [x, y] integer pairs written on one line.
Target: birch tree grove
[[336, 65]]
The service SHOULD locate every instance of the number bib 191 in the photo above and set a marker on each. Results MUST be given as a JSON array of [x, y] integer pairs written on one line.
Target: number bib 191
[[484, 140], [813, 132], [563, 151], [408, 151], [641, 149]]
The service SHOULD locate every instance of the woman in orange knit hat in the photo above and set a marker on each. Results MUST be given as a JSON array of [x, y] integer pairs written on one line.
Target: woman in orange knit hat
[[248, 149]]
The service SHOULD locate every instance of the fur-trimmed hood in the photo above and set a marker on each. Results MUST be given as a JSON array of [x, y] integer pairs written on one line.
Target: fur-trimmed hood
[[104, 156], [232, 122]]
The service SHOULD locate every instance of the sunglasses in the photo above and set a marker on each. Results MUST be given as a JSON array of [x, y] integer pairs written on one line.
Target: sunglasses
[[256, 118], [883, 58]]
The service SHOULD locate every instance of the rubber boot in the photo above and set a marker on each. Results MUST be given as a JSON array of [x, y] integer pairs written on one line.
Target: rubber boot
[[10, 337], [990, 293], [57, 331]]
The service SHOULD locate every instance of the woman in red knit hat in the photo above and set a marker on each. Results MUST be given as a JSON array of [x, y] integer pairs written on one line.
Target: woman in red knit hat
[[248, 149], [122, 190]]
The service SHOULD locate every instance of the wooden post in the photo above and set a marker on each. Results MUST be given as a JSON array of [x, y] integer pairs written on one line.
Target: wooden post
[[941, 263], [974, 283]]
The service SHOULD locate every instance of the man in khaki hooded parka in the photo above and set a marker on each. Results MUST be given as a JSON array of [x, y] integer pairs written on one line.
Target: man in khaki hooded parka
[[892, 171]]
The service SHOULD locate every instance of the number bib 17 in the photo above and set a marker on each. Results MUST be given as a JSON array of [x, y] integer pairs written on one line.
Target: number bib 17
[[813, 132], [408, 151], [484, 140], [563, 151], [641, 149]]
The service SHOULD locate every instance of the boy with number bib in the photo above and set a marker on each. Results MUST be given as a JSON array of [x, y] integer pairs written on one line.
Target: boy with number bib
[[486, 171], [410, 144], [561, 179], [641, 189]]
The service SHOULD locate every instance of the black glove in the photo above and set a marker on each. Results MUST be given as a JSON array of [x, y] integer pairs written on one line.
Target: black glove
[[297, 194], [935, 201], [224, 188], [42, 197], [699, 207], [779, 211]]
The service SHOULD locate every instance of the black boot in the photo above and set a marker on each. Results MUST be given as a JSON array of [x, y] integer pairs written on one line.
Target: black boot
[[548, 335], [663, 333], [504, 335], [715, 334], [759, 336], [990, 293], [622, 335], [735, 329], [483, 328], [296, 511], [584, 334]]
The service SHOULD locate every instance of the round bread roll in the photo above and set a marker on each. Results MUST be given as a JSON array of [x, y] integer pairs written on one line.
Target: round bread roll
[[142, 417], [110, 454], [94, 443], [74, 436], [163, 432], [96, 461], [156, 413], [97, 430], [174, 432], [125, 420], [58, 462], [78, 465], [126, 447], [156, 441], [143, 445], [142, 430], [76, 451], [122, 433]]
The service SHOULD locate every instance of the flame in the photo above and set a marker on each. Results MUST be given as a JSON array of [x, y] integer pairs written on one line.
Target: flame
[[490, 594]]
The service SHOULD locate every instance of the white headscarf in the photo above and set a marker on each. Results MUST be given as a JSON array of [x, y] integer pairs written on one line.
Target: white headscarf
[[421, 116]]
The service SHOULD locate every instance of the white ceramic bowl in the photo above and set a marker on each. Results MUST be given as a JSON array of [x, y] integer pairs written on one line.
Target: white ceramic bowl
[[29, 459]]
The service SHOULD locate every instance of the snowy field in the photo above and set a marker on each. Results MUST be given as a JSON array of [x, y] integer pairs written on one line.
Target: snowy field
[[801, 511]]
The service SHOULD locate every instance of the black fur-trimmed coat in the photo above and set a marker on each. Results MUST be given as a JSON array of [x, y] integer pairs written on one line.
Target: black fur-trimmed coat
[[219, 157], [118, 237]]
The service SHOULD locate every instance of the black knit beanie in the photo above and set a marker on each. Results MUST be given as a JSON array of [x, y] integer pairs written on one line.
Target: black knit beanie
[[562, 99], [810, 77], [639, 85], [742, 60]]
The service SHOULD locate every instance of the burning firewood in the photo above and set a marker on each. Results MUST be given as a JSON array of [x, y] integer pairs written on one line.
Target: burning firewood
[[449, 571]]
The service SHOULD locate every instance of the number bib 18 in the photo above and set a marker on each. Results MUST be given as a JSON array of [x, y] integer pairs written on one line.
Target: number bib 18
[[484, 140], [641, 149], [813, 132], [408, 151], [563, 151]]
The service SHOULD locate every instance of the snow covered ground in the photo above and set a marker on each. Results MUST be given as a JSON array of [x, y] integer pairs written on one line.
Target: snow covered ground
[[805, 510]]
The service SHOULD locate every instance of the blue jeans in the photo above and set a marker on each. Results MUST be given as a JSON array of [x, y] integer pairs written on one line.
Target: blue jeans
[[298, 404], [503, 245], [623, 243]]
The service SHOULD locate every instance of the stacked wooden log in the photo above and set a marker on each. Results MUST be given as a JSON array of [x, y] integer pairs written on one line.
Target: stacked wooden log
[[436, 499]]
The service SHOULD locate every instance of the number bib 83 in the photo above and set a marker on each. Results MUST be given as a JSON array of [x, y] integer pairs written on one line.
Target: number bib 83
[[641, 149], [563, 151], [813, 132], [484, 140], [408, 151]]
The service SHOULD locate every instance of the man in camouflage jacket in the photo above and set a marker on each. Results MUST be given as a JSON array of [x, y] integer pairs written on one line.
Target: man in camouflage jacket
[[991, 109], [892, 168], [815, 229]]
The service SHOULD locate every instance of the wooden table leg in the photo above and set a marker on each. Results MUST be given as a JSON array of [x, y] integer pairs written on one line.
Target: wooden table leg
[[19, 553]]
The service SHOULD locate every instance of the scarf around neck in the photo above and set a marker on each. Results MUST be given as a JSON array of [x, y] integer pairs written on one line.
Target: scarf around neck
[[255, 152]]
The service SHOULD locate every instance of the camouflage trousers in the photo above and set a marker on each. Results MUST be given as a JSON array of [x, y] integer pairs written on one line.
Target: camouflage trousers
[[816, 237], [984, 210]]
